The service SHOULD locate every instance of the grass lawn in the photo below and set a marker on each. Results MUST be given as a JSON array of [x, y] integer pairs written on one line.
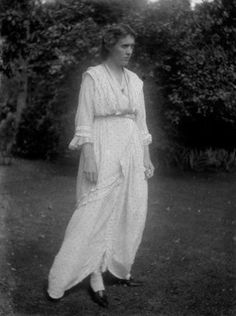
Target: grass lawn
[[187, 257]]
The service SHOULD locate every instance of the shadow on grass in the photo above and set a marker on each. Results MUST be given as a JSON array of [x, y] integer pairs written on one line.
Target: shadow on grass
[[187, 257], [30, 262]]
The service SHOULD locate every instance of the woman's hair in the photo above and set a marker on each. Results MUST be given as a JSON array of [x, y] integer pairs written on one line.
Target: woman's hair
[[112, 35]]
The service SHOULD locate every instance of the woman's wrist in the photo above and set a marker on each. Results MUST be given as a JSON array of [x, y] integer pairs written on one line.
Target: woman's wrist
[[87, 150], [146, 151]]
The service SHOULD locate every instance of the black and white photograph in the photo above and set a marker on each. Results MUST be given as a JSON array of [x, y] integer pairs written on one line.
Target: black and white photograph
[[117, 157]]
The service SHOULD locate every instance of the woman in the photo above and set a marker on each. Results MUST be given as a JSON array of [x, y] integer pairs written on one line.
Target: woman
[[106, 228]]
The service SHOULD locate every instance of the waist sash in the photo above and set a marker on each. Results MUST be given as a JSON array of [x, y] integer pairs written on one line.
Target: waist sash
[[131, 115]]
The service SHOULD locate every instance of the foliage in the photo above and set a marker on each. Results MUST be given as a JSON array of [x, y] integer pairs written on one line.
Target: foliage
[[38, 134], [189, 54], [199, 160], [198, 72], [56, 42], [208, 160], [7, 121], [7, 136], [51, 41]]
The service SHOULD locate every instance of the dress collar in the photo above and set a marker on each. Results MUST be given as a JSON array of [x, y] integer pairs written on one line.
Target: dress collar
[[114, 82]]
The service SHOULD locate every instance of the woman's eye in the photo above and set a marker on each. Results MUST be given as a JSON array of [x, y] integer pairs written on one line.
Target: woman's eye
[[127, 46]]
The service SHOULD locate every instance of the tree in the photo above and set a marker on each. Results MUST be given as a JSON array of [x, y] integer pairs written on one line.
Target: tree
[[197, 72], [190, 55]]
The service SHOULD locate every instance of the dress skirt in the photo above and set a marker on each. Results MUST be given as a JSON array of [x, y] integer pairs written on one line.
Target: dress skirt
[[106, 227]]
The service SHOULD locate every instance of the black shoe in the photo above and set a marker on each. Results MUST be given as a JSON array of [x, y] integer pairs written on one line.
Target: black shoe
[[51, 299], [99, 297], [130, 282]]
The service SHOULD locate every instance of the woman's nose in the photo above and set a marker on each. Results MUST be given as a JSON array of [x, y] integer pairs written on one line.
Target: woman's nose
[[129, 50]]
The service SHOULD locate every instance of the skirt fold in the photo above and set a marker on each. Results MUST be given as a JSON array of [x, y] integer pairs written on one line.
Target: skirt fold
[[106, 227]]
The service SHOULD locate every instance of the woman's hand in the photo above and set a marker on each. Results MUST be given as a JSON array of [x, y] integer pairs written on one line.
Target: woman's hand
[[90, 167], [148, 165], [90, 170], [149, 169]]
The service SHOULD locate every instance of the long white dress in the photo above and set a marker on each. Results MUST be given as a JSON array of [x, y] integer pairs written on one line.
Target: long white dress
[[107, 225]]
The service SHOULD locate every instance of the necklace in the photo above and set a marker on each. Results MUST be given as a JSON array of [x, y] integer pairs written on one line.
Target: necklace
[[109, 71], [122, 89]]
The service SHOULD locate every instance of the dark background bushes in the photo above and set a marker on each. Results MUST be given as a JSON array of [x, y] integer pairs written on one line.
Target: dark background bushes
[[185, 57]]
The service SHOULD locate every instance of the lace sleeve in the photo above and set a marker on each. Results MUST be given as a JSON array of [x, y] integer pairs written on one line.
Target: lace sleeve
[[141, 121], [84, 115]]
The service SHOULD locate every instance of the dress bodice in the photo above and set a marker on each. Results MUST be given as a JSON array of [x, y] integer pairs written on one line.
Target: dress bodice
[[101, 96], [110, 97]]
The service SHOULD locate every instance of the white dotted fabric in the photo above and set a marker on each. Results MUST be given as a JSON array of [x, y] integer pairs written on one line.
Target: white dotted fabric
[[107, 225]]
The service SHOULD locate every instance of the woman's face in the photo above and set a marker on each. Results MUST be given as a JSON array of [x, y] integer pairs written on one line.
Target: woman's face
[[121, 52]]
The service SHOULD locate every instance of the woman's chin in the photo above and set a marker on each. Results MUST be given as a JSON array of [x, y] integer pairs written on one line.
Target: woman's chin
[[125, 62]]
